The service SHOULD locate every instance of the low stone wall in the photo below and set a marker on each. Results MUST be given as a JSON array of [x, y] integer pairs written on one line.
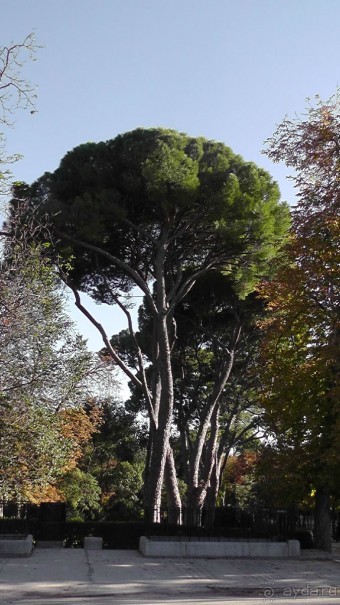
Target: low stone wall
[[16, 545], [153, 547], [93, 543]]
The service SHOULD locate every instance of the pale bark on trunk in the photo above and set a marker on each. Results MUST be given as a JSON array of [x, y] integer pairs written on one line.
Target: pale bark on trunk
[[199, 482], [174, 501], [211, 496], [161, 432]]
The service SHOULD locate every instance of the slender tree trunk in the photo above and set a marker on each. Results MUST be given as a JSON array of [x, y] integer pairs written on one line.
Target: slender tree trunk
[[212, 492], [322, 519], [208, 461], [153, 488], [216, 477], [199, 482], [173, 496], [147, 462]]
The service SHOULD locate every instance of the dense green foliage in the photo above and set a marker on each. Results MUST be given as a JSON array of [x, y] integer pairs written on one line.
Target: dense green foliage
[[115, 458], [122, 194]]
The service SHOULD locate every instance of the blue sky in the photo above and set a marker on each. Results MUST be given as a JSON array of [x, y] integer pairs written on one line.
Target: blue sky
[[228, 70]]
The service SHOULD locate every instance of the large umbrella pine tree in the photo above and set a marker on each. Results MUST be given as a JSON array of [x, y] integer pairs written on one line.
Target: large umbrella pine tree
[[157, 209]]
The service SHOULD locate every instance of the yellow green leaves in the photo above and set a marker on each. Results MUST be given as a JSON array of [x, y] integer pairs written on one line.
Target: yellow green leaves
[[170, 175]]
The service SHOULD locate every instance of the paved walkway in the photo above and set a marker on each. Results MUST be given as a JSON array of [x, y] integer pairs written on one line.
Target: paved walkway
[[115, 575]]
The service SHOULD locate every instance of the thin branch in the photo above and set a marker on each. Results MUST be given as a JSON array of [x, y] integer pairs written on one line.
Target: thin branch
[[138, 230], [141, 367], [185, 287], [119, 263], [120, 363]]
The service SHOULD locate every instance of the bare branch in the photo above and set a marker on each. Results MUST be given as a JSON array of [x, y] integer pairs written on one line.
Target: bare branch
[[15, 93], [132, 333]]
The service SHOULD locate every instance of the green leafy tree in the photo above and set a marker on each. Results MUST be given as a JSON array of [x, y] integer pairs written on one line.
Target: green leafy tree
[[44, 370], [120, 438], [127, 481], [156, 209], [283, 479], [43, 363], [81, 492]]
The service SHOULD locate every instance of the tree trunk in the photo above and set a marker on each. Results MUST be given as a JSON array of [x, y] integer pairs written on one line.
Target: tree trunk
[[173, 496], [322, 519], [161, 430], [154, 478], [212, 492]]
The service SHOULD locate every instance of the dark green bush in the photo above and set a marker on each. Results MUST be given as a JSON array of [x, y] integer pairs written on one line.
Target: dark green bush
[[115, 535]]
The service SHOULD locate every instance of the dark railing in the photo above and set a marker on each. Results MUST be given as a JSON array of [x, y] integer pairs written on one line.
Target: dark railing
[[47, 522], [46, 511], [17, 510], [231, 522]]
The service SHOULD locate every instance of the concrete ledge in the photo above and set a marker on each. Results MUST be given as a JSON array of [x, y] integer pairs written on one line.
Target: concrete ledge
[[210, 549], [93, 543], [16, 546]]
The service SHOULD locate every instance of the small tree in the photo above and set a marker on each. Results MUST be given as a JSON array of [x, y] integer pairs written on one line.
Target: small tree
[[117, 450], [44, 372]]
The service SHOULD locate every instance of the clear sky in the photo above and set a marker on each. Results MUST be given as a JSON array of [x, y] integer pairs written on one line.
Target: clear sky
[[228, 70]]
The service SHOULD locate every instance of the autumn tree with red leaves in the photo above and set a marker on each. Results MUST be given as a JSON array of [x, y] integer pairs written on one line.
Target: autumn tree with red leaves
[[301, 345]]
